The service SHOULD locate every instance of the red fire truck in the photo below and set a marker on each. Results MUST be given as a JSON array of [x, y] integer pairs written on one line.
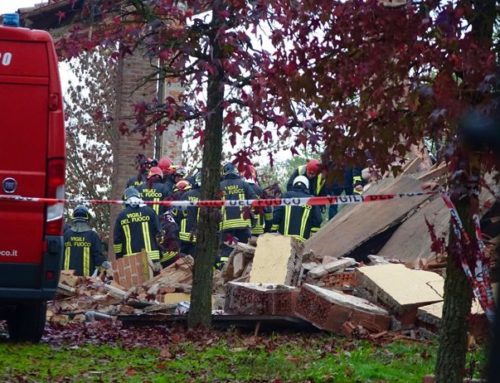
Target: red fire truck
[[32, 164]]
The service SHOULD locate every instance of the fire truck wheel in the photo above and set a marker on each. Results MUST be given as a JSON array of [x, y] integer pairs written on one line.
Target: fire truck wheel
[[27, 322]]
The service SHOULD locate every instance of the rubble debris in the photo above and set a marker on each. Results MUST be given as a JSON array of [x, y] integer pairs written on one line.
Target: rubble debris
[[277, 260], [329, 310], [399, 288], [239, 263], [260, 299], [132, 270]]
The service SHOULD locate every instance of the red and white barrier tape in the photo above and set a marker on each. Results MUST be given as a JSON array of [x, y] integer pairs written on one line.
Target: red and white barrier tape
[[328, 200], [479, 278]]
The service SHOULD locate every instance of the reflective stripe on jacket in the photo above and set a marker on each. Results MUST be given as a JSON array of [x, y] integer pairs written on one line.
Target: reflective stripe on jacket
[[82, 252], [235, 189], [136, 229]]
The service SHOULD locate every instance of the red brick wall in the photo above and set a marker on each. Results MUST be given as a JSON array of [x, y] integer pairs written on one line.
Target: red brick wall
[[131, 73]]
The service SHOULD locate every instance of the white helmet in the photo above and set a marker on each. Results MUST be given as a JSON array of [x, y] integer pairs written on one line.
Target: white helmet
[[301, 180]]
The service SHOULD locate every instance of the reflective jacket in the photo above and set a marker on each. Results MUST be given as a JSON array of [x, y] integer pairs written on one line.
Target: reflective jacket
[[297, 221], [316, 183], [189, 217], [156, 192], [234, 189], [137, 180], [136, 229], [263, 217], [82, 250]]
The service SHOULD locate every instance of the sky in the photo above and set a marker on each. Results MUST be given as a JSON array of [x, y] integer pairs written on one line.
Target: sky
[[11, 6]]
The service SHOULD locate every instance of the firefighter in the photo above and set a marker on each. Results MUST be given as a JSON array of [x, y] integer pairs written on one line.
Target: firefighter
[[188, 218], [136, 228], [236, 221], [263, 217], [168, 238], [165, 164], [313, 171], [82, 245], [143, 164], [297, 221], [154, 189]]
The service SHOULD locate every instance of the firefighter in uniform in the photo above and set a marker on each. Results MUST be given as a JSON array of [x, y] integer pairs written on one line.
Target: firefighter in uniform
[[236, 221], [168, 238], [297, 221], [263, 217], [313, 172], [165, 164], [143, 164], [82, 245], [154, 190], [188, 218], [136, 228]]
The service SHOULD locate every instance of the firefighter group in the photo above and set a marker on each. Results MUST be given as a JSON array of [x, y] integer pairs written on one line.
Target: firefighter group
[[166, 233]]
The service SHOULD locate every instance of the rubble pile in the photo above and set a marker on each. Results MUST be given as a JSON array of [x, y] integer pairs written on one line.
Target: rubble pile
[[369, 270]]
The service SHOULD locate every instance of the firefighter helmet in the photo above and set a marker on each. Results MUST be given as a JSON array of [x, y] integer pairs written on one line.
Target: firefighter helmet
[[180, 172], [165, 164], [131, 192], [81, 214], [229, 168], [155, 171], [182, 185], [301, 180], [313, 167]]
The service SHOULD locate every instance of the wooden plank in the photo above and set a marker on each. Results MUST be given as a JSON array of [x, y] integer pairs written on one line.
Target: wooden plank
[[350, 229], [411, 167], [438, 172]]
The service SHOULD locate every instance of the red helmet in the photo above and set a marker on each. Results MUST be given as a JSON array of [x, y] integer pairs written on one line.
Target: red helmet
[[313, 167], [165, 164], [182, 185], [155, 171]]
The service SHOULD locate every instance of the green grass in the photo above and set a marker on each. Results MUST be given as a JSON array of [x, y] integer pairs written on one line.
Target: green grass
[[276, 358]]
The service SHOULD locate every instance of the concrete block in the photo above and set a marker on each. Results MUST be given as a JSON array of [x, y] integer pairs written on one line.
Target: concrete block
[[399, 288], [339, 264], [260, 299], [238, 265], [174, 298], [277, 260], [317, 272], [329, 310]]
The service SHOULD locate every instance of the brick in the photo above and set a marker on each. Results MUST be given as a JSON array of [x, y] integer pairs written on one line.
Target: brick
[[329, 310], [260, 299], [132, 270]]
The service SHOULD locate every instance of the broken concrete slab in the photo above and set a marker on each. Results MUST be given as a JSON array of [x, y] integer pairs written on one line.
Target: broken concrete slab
[[414, 234], [260, 299], [277, 260], [432, 314], [329, 310], [339, 264], [352, 228], [399, 288]]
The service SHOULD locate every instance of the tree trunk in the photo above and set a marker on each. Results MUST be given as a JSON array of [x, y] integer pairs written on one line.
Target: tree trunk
[[451, 358], [207, 241], [457, 303]]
